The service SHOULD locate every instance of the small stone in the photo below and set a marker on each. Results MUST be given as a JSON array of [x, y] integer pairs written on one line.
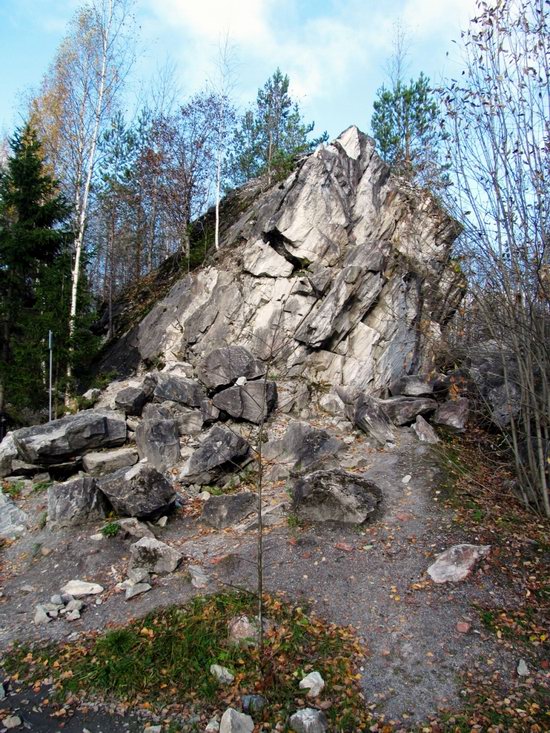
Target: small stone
[[457, 562], [204, 495], [12, 721], [213, 726], [162, 521], [253, 704], [2, 692], [222, 674], [234, 722], [28, 589], [243, 631], [97, 537], [405, 480], [74, 605], [199, 579], [45, 551], [241, 381], [463, 627], [41, 616], [81, 588], [73, 615], [308, 720], [136, 590], [152, 729], [523, 669], [57, 600], [138, 575], [314, 683], [155, 556]]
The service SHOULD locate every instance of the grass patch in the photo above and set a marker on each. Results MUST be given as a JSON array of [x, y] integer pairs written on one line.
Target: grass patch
[[13, 490], [111, 529], [165, 659]]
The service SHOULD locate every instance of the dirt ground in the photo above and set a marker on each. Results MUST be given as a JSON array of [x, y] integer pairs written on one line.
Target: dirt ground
[[372, 577]]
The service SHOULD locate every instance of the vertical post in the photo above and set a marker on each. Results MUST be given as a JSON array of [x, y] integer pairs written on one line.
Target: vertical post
[[50, 347]]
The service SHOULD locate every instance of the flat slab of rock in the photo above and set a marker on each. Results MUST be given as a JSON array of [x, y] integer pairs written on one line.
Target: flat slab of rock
[[13, 521], [60, 440], [453, 414], [140, 491], [252, 401], [412, 385], [222, 367], [334, 496], [99, 463], [169, 386], [261, 260], [76, 502], [228, 509], [79, 588], [456, 563], [403, 410], [154, 556], [222, 451], [158, 441]]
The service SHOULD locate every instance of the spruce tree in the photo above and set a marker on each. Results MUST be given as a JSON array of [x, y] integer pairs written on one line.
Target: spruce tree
[[33, 263]]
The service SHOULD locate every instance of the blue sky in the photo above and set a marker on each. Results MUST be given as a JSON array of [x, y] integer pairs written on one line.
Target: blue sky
[[334, 51]]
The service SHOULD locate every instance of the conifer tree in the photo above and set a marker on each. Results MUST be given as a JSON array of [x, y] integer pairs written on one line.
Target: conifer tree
[[33, 263]]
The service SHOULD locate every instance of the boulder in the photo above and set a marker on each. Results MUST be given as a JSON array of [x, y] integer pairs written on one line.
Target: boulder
[[368, 415], [76, 502], [59, 440], [453, 414], [262, 260], [221, 452], [158, 442], [140, 491], [413, 385], [335, 495], [222, 674], [154, 556], [234, 722], [228, 509], [132, 399], [456, 563], [403, 410], [424, 431], [132, 527], [313, 683], [99, 463], [189, 420], [8, 454], [308, 720], [13, 521], [302, 447], [252, 401], [172, 387], [222, 367]]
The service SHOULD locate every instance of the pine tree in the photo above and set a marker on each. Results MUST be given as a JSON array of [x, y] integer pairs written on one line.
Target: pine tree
[[406, 127], [271, 134], [33, 262]]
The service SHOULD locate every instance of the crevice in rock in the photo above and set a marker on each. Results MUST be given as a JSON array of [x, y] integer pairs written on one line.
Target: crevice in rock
[[279, 242]]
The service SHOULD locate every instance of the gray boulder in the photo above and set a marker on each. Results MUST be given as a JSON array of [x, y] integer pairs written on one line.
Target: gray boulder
[[308, 720], [158, 441], [99, 463], [189, 419], [412, 385], [453, 414], [252, 401], [76, 502], [154, 556], [8, 454], [172, 387], [140, 491], [302, 446], [403, 410], [234, 722], [132, 399], [226, 510], [13, 521], [221, 452], [222, 367], [366, 413], [336, 495], [424, 431], [57, 441]]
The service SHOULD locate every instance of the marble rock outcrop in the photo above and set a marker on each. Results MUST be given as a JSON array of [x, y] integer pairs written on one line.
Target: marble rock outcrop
[[340, 274]]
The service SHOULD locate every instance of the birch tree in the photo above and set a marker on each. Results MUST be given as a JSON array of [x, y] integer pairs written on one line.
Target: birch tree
[[78, 96]]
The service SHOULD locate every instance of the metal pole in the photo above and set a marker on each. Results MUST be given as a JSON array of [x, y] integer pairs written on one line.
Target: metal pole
[[50, 347]]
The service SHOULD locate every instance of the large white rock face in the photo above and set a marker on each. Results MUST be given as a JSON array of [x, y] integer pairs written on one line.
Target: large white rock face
[[339, 274]]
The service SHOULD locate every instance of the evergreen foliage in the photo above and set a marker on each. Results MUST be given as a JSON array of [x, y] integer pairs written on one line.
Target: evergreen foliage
[[406, 126], [271, 134]]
